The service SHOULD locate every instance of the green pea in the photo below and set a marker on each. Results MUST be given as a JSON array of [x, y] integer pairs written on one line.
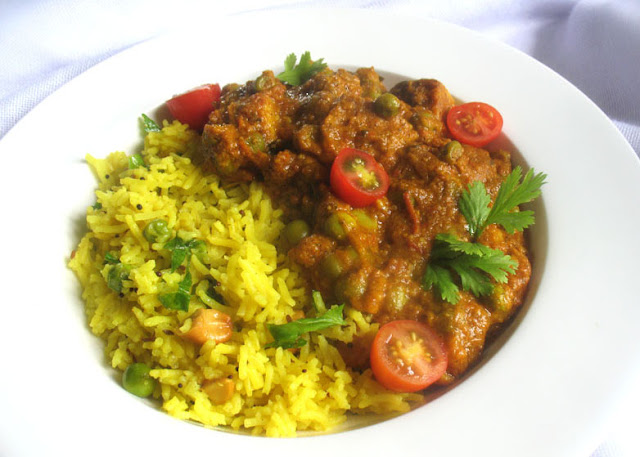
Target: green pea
[[387, 105], [372, 93], [232, 87], [296, 230], [256, 142], [136, 380], [426, 120], [157, 231], [331, 266], [499, 299], [263, 82], [333, 227], [452, 151], [118, 273], [398, 297], [199, 249], [364, 220], [350, 287]]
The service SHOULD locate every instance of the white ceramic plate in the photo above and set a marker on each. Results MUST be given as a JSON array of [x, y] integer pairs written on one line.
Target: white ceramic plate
[[547, 391]]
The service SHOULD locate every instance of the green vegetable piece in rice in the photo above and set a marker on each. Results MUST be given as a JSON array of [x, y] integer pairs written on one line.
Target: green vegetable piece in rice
[[136, 380], [149, 124], [290, 335], [136, 161], [157, 231], [181, 250], [178, 300], [118, 272]]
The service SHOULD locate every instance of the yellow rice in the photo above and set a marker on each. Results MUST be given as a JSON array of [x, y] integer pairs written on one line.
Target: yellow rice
[[277, 392]]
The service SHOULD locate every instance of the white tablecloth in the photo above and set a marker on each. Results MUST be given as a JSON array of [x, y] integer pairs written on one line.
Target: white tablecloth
[[595, 44]]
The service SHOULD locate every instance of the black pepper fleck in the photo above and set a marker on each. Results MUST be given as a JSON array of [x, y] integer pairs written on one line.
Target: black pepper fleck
[[304, 370], [179, 385], [139, 206], [158, 273], [167, 332], [106, 176], [121, 294], [241, 212]]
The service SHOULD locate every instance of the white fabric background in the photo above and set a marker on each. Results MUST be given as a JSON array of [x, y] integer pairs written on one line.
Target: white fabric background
[[595, 44]]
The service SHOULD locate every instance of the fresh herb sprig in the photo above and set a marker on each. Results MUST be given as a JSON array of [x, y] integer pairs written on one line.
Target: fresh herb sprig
[[296, 74], [473, 263], [474, 203], [181, 250], [149, 124], [289, 335], [178, 300], [136, 160]]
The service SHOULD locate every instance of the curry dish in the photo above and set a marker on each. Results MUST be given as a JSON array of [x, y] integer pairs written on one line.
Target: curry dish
[[371, 257]]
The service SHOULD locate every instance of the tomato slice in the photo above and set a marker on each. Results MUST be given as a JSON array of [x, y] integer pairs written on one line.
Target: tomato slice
[[193, 107], [357, 178], [474, 123], [407, 356]]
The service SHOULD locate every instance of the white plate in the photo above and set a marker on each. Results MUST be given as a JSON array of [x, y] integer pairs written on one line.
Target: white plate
[[547, 391]]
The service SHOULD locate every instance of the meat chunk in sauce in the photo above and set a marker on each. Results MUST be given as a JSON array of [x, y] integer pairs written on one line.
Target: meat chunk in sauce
[[370, 258]]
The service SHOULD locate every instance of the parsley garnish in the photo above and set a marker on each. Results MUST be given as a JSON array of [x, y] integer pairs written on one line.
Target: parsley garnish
[[290, 335], [474, 203], [97, 205], [149, 124], [297, 74], [474, 263]]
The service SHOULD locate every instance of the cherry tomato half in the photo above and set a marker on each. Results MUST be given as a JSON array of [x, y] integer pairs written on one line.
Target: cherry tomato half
[[193, 107], [357, 178], [474, 123], [407, 356]]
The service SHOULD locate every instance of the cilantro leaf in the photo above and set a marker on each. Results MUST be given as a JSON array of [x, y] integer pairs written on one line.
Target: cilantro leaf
[[110, 258], [178, 300], [180, 250], [474, 203], [474, 263], [289, 335], [441, 278], [149, 124], [513, 193], [297, 74], [136, 161]]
